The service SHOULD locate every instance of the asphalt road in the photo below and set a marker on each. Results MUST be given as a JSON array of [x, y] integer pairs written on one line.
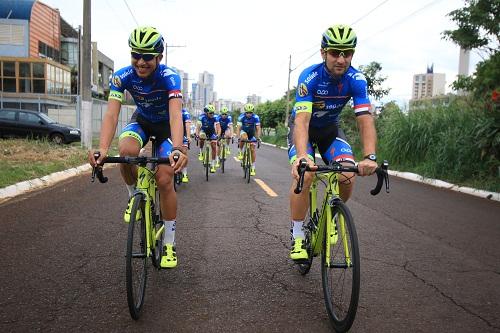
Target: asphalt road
[[430, 259]]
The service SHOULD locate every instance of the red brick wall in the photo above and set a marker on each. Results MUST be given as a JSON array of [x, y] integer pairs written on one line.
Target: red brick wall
[[45, 26]]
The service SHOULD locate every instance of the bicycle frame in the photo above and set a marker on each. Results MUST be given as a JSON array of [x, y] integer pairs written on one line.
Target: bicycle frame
[[146, 183], [320, 221]]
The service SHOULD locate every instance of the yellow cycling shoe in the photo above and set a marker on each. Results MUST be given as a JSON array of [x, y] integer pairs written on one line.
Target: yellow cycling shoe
[[200, 157], [212, 169], [252, 171], [217, 164], [126, 216], [185, 179], [169, 258], [228, 151], [299, 251], [240, 156]]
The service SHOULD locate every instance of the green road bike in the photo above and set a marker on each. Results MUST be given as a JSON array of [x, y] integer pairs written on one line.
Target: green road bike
[[145, 228], [246, 161], [330, 231]]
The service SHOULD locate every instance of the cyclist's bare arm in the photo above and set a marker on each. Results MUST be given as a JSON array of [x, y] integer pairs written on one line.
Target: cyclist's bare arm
[[177, 132], [187, 128], [217, 129], [368, 135], [108, 129], [258, 131], [300, 138]]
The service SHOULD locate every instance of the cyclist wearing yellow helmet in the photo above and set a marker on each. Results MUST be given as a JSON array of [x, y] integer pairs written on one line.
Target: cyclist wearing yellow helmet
[[226, 126], [248, 129], [322, 92], [156, 90], [208, 128]]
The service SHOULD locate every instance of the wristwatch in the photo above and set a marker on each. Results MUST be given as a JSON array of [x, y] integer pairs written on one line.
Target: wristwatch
[[371, 157]]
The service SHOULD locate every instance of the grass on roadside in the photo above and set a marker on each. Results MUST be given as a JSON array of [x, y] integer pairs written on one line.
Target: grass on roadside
[[22, 159]]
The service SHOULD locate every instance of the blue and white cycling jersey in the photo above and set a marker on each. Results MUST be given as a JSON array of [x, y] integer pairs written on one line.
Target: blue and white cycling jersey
[[248, 124], [185, 115], [207, 123], [151, 95], [324, 96], [225, 122]]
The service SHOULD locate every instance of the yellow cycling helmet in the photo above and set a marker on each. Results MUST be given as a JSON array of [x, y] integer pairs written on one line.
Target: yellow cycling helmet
[[146, 39], [339, 36], [209, 108], [249, 108]]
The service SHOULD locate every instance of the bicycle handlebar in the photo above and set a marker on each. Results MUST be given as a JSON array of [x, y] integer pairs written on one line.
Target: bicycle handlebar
[[140, 160], [381, 171]]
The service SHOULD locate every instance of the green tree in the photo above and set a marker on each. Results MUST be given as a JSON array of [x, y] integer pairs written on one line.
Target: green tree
[[374, 80], [478, 25]]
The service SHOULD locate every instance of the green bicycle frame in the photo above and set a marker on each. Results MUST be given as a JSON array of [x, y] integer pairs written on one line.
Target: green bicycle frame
[[325, 218], [146, 183]]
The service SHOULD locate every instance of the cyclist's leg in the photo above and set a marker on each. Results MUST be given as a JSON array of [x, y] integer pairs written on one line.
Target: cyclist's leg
[[253, 151], [185, 177], [131, 140], [168, 204], [203, 137], [299, 204], [340, 151], [243, 136]]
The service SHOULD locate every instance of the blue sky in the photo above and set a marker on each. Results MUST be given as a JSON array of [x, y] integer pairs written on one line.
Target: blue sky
[[246, 44]]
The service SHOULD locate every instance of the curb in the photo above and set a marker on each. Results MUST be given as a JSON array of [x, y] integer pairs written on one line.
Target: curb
[[434, 182], [11, 191]]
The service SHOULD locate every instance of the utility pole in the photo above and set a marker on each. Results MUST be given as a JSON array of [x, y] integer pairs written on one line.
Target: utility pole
[[85, 89], [166, 48], [288, 91]]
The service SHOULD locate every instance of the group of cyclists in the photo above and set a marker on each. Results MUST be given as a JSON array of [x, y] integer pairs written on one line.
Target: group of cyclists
[[322, 91]]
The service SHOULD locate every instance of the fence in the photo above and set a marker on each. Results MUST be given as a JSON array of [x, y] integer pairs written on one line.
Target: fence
[[65, 109]]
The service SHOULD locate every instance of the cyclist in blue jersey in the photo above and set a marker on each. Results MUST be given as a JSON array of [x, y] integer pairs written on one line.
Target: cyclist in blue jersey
[[208, 128], [322, 91], [156, 90], [248, 129], [186, 119], [226, 126]]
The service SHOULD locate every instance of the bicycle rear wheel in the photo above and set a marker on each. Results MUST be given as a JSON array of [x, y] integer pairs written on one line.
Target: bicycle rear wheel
[[341, 276], [136, 257], [248, 163]]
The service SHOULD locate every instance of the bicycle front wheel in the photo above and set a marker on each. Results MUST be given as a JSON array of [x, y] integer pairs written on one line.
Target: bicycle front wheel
[[248, 164], [207, 161], [223, 157], [340, 268], [136, 258]]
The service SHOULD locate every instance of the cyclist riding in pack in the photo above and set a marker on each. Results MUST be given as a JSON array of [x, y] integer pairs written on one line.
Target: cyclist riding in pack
[[156, 90], [322, 91], [186, 119], [208, 128], [226, 126], [248, 129]]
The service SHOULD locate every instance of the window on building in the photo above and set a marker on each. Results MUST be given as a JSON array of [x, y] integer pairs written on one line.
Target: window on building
[[39, 86], [38, 70], [11, 34], [8, 76]]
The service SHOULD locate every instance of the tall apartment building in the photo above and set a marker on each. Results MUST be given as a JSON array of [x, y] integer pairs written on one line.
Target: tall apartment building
[[428, 85], [203, 90], [254, 99]]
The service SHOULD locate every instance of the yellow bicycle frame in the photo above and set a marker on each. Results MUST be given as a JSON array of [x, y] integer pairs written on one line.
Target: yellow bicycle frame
[[146, 183], [325, 218]]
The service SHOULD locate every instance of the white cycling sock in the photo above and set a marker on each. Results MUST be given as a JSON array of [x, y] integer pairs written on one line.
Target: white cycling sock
[[169, 233], [185, 171], [297, 229], [130, 189]]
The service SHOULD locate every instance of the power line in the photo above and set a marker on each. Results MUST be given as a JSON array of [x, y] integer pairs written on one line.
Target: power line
[[126, 4], [403, 19], [371, 11], [359, 19]]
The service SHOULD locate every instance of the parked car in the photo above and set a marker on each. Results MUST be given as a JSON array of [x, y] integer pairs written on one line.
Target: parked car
[[31, 124]]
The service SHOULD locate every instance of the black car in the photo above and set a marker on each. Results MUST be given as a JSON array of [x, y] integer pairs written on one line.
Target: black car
[[31, 124]]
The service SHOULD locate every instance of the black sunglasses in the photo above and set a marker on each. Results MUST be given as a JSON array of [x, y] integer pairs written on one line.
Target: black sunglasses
[[145, 56]]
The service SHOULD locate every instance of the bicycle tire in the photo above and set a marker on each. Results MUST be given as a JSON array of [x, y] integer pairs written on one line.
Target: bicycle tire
[[136, 258], [304, 266], [249, 164], [207, 160], [223, 157], [341, 282]]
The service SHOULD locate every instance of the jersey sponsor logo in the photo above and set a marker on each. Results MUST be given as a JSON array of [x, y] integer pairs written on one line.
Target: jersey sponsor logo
[[319, 105], [359, 77], [346, 150], [322, 92], [300, 108], [319, 114], [172, 80], [115, 95], [116, 81], [310, 77], [136, 87], [303, 90], [127, 73], [335, 106]]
